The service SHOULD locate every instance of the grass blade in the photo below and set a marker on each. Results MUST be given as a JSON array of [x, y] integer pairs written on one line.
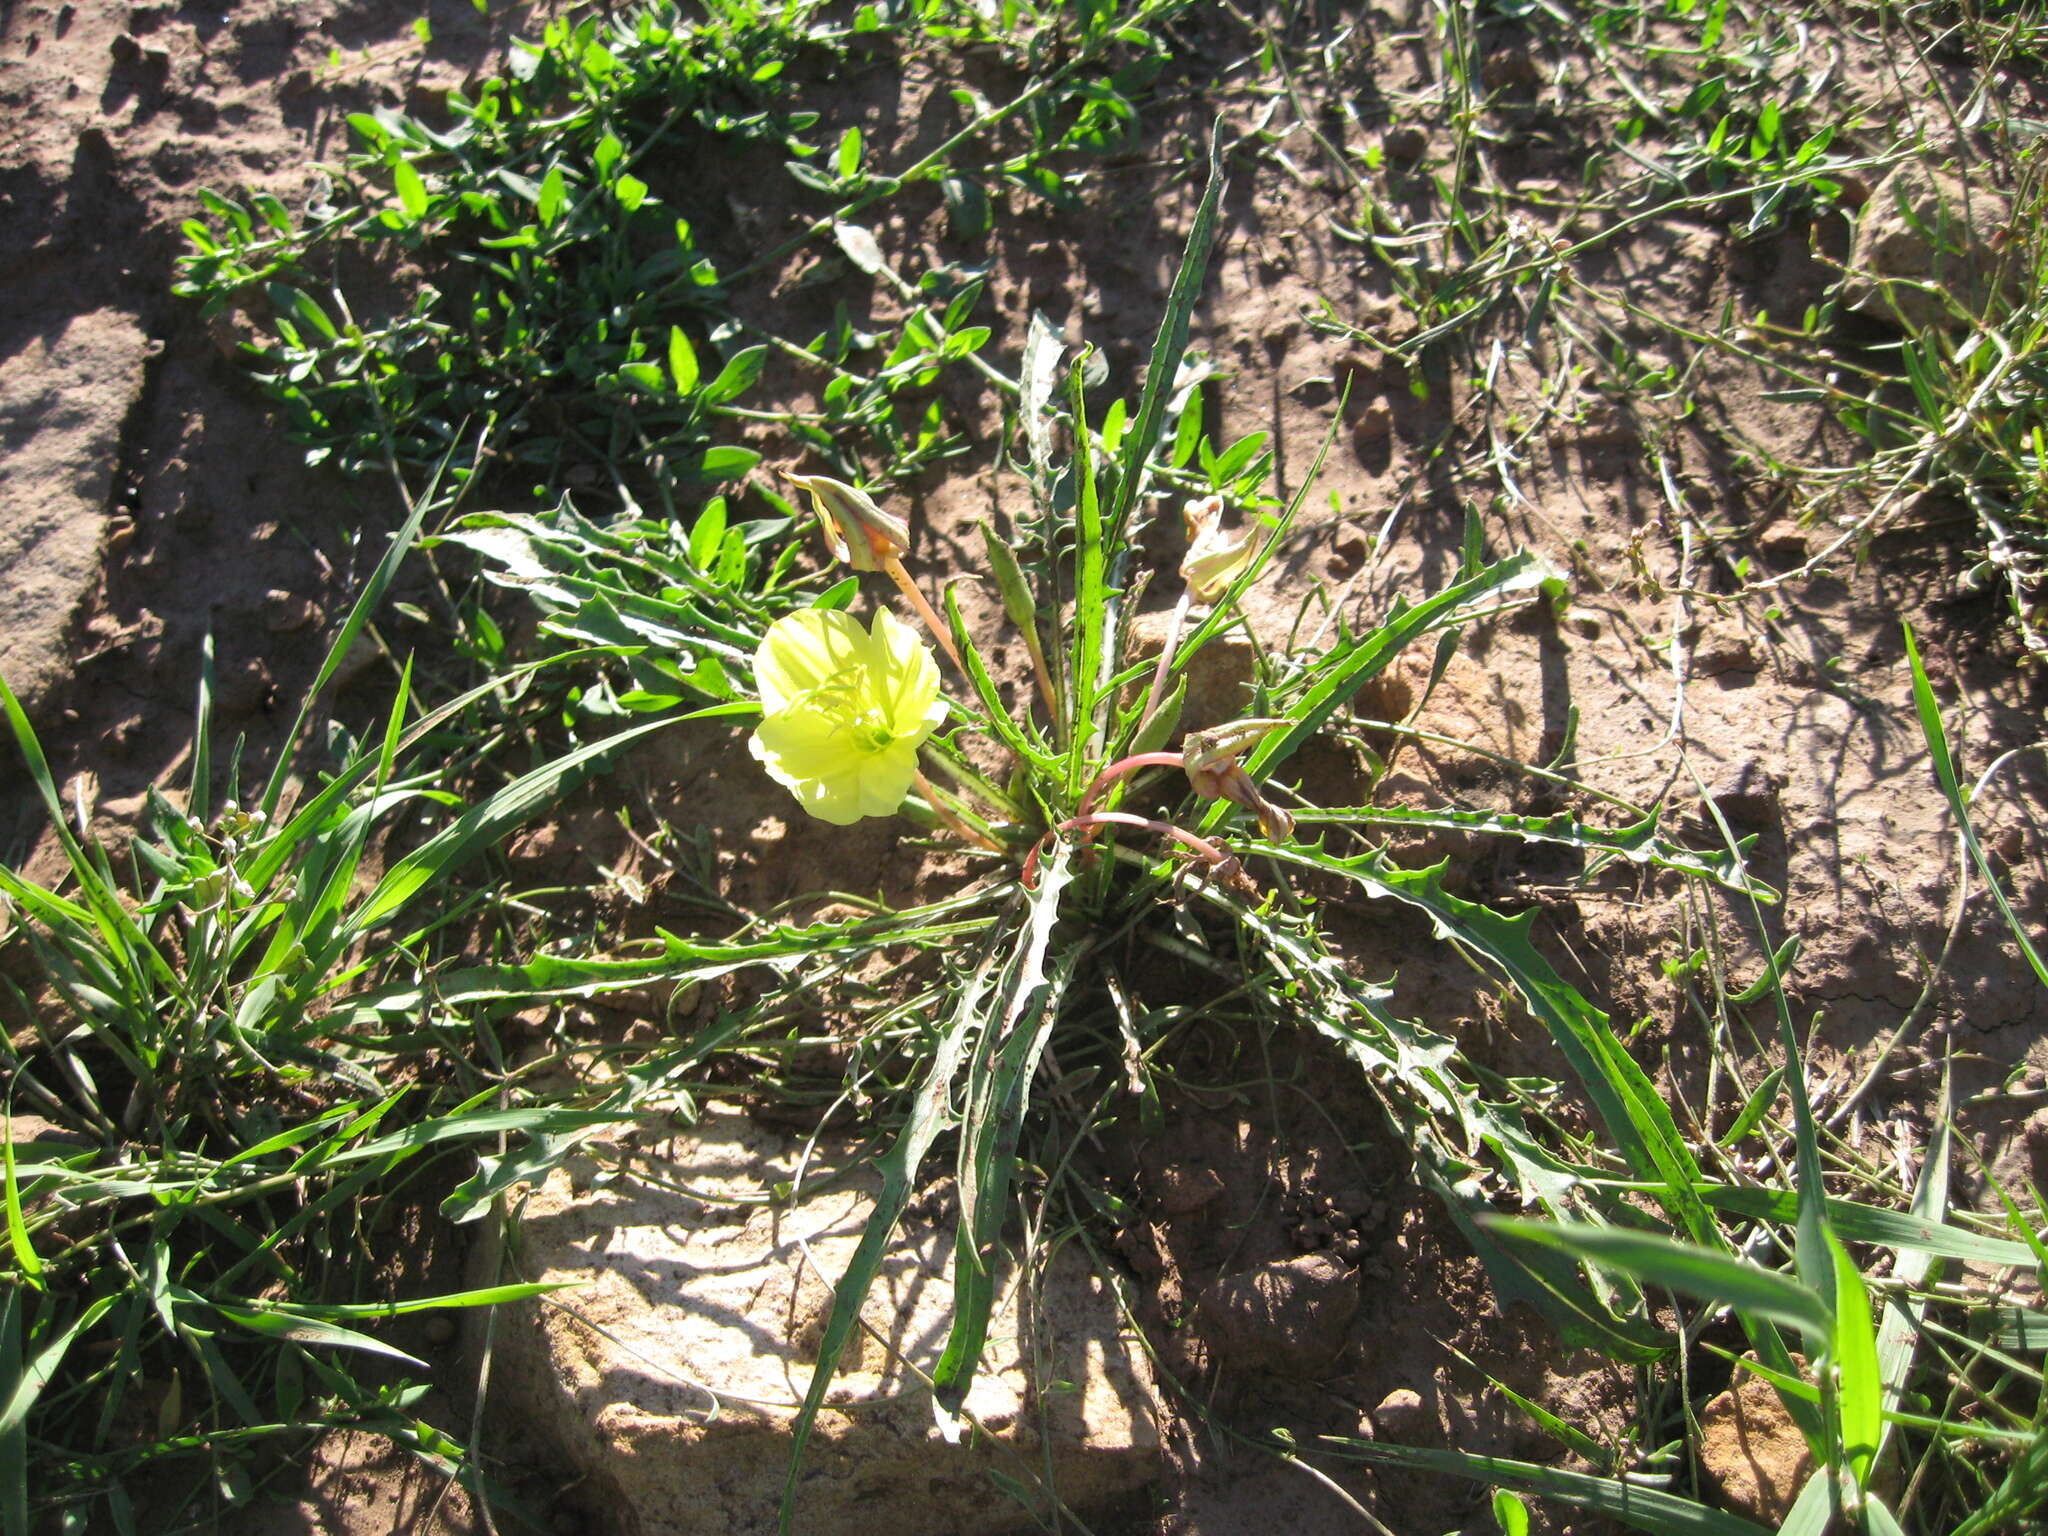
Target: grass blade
[[1859, 1383], [1687, 1268], [1931, 727], [1646, 1509]]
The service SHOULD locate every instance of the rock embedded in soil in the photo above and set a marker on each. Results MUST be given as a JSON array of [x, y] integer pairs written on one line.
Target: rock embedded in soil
[[672, 1387], [1405, 1418], [1753, 1452], [1292, 1316], [1747, 797], [1218, 679], [64, 398], [1925, 254]]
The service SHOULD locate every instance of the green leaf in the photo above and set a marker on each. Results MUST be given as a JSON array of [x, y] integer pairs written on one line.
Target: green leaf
[[26, 1258], [20, 1385], [412, 192], [483, 825], [1168, 348], [1936, 734], [682, 361], [1687, 1268], [1860, 1384], [1348, 668], [727, 463], [1639, 842], [737, 376], [1646, 1509], [554, 197], [999, 1077]]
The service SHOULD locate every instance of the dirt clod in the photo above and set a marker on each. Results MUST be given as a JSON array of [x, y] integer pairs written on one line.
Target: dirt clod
[[1404, 1418], [1753, 1452], [1290, 1316], [1747, 797]]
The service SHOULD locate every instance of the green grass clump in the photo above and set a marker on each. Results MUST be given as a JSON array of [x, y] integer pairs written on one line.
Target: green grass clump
[[253, 1054]]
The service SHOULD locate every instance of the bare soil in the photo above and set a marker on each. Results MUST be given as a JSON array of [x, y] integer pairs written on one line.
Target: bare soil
[[1292, 1273]]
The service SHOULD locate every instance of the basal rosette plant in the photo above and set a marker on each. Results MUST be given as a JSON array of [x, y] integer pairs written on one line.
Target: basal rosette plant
[[1113, 830]]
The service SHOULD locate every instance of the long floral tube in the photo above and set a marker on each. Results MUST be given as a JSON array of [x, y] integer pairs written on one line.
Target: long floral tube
[[1211, 856], [1128, 765]]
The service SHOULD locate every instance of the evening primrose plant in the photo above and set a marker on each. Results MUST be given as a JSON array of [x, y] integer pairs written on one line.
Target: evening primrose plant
[[1109, 832]]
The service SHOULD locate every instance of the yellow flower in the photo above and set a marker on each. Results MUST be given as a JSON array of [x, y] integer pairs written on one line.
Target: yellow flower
[[844, 710]]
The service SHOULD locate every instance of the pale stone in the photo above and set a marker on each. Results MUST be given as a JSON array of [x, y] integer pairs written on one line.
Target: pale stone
[[670, 1376], [63, 399], [1925, 252], [1752, 1450]]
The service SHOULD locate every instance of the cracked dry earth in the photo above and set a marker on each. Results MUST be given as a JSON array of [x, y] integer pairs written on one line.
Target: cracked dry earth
[[146, 501]]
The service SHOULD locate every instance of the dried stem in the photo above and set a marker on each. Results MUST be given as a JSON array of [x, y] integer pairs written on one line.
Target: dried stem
[[1173, 628]]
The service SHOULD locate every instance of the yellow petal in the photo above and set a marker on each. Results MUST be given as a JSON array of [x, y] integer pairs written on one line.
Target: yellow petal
[[904, 678], [885, 779], [804, 651]]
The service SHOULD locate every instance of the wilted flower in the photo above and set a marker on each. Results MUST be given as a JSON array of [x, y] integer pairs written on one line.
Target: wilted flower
[[844, 711], [856, 530], [1215, 559], [1214, 763]]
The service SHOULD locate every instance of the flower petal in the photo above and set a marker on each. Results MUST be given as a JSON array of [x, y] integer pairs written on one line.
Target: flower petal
[[885, 778], [804, 651], [904, 678]]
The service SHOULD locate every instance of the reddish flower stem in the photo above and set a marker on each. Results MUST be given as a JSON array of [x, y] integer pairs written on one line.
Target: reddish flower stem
[[932, 622], [1123, 766], [1201, 847]]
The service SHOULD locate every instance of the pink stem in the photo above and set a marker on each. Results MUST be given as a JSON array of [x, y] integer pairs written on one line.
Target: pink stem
[[1126, 765], [1201, 847]]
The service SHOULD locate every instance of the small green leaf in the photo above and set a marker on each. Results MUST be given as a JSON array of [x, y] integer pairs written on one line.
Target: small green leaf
[[737, 377], [848, 164], [554, 196], [682, 361], [727, 463], [412, 192], [630, 191]]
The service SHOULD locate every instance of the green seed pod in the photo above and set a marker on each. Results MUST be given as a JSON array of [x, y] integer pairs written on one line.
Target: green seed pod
[[1016, 591]]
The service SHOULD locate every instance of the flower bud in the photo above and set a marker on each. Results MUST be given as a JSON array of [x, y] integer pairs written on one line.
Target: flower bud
[[1016, 591], [857, 532]]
